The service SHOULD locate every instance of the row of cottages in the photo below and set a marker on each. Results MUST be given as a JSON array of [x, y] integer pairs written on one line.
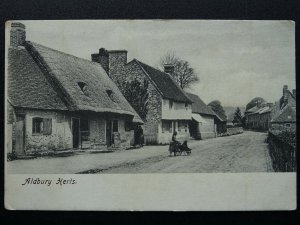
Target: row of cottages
[[259, 117], [169, 107], [276, 117], [202, 125], [59, 101], [283, 113]]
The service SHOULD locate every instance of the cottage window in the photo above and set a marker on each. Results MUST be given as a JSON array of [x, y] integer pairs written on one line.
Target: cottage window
[[166, 126], [170, 104], [41, 126], [186, 106], [83, 87], [115, 125], [111, 95], [287, 125], [182, 126]]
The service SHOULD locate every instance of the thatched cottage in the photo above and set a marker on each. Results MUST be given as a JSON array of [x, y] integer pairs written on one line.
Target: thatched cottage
[[169, 108], [202, 125], [59, 101]]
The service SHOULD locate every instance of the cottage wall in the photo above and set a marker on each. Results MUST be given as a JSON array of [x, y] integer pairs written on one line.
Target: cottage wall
[[207, 130], [60, 137], [126, 137], [97, 132], [9, 128], [178, 111], [164, 137]]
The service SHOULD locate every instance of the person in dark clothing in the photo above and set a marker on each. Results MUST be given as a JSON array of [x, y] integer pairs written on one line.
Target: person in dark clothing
[[174, 139], [184, 147]]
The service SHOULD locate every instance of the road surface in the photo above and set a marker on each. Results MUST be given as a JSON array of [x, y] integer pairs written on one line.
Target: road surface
[[245, 152]]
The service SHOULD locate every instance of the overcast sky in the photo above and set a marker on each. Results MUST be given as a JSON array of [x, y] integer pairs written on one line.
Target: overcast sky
[[235, 60]]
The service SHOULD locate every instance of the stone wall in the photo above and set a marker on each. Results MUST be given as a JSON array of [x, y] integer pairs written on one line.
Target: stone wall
[[131, 72]]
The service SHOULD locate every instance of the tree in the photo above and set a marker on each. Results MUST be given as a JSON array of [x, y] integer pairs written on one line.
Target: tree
[[254, 102], [136, 93], [217, 107], [183, 74], [237, 117]]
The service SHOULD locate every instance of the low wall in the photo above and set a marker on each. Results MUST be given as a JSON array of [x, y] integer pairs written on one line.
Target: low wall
[[234, 130], [283, 154]]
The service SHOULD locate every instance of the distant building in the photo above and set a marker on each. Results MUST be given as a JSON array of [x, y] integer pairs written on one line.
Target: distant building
[[284, 112], [221, 123], [169, 108], [259, 117], [58, 101], [202, 125]]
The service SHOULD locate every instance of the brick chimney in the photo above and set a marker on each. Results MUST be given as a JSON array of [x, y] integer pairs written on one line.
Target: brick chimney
[[285, 93], [111, 61], [169, 68], [102, 58], [17, 34]]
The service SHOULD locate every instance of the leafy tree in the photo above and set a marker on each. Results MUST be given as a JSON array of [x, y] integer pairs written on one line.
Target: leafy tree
[[237, 117], [254, 102], [136, 93], [217, 107], [183, 74]]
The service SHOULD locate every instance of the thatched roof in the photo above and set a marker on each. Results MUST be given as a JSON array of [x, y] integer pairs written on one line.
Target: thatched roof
[[81, 85], [164, 83], [198, 106], [27, 85]]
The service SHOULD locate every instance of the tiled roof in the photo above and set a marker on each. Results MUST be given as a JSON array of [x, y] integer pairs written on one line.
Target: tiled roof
[[63, 74], [198, 106], [165, 84], [287, 114]]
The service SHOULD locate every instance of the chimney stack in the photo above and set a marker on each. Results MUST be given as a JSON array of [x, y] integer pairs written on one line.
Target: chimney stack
[[111, 61], [17, 34], [285, 93], [169, 68]]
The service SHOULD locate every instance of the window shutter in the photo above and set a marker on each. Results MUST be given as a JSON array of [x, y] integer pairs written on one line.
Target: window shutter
[[47, 126]]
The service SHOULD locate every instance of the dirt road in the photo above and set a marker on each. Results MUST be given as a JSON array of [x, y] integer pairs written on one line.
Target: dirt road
[[245, 152]]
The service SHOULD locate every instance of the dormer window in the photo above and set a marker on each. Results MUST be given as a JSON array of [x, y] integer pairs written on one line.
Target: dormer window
[[111, 95], [83, 87]]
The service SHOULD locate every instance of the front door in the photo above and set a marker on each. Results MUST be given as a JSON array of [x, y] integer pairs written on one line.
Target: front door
[[20, 135], [108, 133], [76, 132]]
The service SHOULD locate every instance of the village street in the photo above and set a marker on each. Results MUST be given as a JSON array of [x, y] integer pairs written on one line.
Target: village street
[[245, 152]]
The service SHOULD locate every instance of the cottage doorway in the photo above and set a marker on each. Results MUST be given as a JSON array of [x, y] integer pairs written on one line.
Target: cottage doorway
[[20, 135], [108, 133], [76, 132]]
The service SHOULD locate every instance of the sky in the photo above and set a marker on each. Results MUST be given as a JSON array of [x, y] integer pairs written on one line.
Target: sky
[[235, 60]]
